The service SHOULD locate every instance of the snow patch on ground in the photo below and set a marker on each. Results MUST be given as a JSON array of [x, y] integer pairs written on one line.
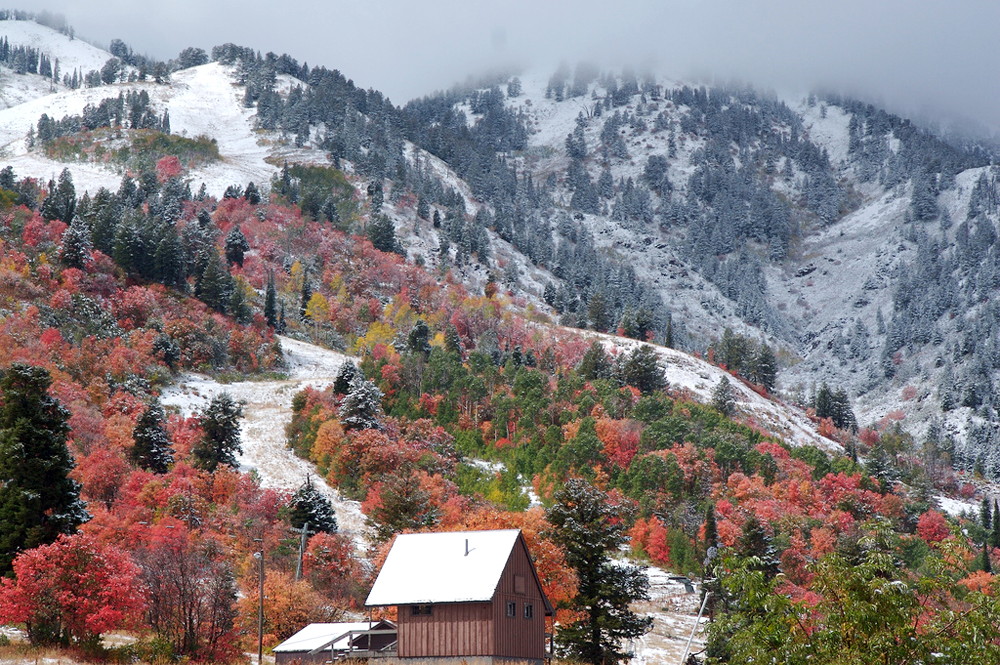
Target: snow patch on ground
[[267, 410], [956, 507], [674, 611]]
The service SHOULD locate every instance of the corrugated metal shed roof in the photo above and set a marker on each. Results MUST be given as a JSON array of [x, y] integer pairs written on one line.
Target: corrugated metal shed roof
[[320, 635], [424, 568]]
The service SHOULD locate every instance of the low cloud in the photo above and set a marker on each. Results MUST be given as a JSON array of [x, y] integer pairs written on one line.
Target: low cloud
[[923, 57]]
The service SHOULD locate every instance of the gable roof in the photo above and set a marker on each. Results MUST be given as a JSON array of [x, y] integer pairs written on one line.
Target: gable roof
[[425, 568], [318, 636]]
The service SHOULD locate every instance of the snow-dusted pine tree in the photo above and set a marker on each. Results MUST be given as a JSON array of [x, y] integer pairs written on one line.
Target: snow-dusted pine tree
[[309, 505], [362, 407]]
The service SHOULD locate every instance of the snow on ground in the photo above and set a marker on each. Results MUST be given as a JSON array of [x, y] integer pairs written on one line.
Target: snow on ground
[[72, 53], [202, 101], [674, 611], [955, 507], [267, 410], [827, 126], [685, 372]]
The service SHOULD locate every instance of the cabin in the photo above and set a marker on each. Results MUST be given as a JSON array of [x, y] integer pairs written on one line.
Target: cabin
[[464, 596], [320, 643]]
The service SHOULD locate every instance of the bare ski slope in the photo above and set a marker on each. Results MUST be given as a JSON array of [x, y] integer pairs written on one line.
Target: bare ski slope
[[267, 410]]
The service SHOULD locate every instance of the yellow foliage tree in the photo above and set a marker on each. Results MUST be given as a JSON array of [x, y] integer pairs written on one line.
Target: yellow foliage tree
[[317, 309]]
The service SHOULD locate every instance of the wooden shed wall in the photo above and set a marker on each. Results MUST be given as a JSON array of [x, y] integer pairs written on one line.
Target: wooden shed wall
[[453, 629], [517, 637]]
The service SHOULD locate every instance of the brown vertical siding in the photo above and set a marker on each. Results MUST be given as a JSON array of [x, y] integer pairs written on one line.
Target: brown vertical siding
[[481, 629], [517, 637], [453, 629]]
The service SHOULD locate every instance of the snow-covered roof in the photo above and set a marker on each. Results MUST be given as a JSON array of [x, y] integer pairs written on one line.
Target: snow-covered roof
[[321, 635], [451, 567]]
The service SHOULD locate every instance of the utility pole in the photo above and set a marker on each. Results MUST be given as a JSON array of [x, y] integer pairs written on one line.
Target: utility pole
[[302, 548], [260, 606]]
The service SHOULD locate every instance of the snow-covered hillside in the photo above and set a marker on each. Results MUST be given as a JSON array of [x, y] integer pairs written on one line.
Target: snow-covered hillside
[[201, 101], [73, 54]]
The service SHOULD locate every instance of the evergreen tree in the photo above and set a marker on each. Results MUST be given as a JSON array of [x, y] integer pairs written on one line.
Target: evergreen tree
[[595, 363], [236, 246], [76, 244], [346, 376], [38, 499], [220, 439], [590, 527], [995, 536], [763, 367], [418, 341], [309, 505], [362, 407], [452, 340], [168, 259], [723, 397], [271, 302], [755, 541], [305, 295], [382, 233], [642, 369], [986, 514], [329, 210], [151, 449], [216, 284], [252, 194]]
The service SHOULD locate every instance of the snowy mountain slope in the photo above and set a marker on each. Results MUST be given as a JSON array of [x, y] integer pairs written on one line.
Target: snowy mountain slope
[[73, 54], [201, 101], [267, 410], [837, 282]]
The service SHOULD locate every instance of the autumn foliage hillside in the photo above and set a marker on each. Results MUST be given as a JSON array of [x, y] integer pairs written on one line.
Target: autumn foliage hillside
[[467, 411]]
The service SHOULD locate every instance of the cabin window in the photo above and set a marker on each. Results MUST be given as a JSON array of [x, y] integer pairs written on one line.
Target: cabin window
[[529, 611], [421, 610], [511, 609], [519, 584]]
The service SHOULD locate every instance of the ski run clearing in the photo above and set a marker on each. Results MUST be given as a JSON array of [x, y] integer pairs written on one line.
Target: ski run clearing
[[267, 410]]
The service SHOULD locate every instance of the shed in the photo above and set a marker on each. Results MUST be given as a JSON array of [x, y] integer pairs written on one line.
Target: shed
[[470, 596], [319, 643]]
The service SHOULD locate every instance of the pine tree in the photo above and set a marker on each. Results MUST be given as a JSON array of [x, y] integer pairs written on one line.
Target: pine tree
[[252, 194], [38, 499], [723, 398], [304, 296], [763, 367], [754, 541], [382, 234], [220, 440], [995, 536], [346, 376], [236, 246], [151, 449], [590, 527], [418, 341], [309, 505], [362, 407], [76, 244], [642, 369], [271, 302], [216, 284]]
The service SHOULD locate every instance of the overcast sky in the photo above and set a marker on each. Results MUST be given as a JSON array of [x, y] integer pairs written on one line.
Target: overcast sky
[[917, 56]]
